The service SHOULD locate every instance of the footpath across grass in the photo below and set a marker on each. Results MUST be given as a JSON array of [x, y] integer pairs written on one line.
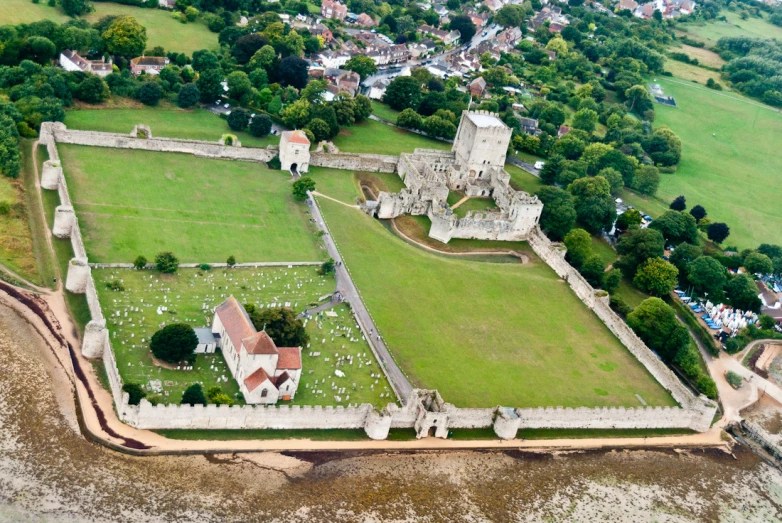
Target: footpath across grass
[[730, 160], [486, 334], [140, 202], [193, 124]]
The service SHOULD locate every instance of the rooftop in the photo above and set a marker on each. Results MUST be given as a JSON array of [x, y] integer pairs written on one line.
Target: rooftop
[[296, 137], [485, 120]]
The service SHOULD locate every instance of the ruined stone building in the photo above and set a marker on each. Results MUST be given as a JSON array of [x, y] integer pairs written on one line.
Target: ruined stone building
[[474, 167]]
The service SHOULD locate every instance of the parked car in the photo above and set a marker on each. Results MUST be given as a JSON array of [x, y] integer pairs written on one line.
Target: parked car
[[539, 165], [227, 106]]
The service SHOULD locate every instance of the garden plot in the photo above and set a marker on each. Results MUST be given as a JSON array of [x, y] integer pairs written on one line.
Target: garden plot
[[150, 300]]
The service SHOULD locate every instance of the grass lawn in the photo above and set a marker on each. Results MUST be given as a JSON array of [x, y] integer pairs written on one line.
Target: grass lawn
[[486, 334], [704, 56], [522, 180], [692, 73], [375, 137], [193, 124], [602, 248], [631, 294], [162, 29], [384, 111], [475, 204], [203, 210], [190, 297], [730, 160], [710, 32]]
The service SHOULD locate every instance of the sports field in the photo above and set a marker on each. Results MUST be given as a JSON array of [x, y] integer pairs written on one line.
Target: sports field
[[483, 333], [134, 315], [194, 124], [730, 160], [140, 202], [162, 29], [710, 32]]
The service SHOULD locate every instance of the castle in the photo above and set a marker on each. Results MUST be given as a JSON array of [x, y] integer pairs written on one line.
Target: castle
[[474, 167]]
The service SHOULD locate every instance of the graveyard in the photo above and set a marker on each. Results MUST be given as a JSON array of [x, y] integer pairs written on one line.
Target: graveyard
[[147, 300]]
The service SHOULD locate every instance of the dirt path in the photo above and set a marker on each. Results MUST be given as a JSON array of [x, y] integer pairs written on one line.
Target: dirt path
[[457, 204], [19, 278], [316, 193]]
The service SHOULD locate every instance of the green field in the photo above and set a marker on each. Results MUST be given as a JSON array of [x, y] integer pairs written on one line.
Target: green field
[[162, 29], [384, 111], [16, 243], [190, 297], [375, 137], [486, 334], [730, 160], [140, 202], [196, 124], [710, 32]]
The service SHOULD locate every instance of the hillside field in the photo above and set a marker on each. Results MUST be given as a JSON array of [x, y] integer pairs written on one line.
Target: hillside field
[[710, 32]]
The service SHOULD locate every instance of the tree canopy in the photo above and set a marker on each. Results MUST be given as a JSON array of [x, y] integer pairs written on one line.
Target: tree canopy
[[174, 342]]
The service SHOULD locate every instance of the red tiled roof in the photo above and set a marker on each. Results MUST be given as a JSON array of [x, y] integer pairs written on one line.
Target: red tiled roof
[[259, 343], [297, 137], [290, 358], [235, 320], [281, 379], [254, 380]]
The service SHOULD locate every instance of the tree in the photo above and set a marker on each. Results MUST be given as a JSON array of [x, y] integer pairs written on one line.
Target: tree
[[742, 293], [585, 119], [676, 227], [281, 324], [39, 49], [239, 119], [707, 276], [231, 261], [766, 322], [439, 127], [301, 186], [204, 60], [465, 26], [363, 65], [757, 263], [261, 125], [362, 107], [614, 179], [655, 323], [174, 342], [125, 37], [698, 212], [592, 270], [679, 204], [74, 8], [166, 262], [216, 396], [627, 220], [683, 255], [404, 92], [559, 213], [409, 119], [264, 58], [558, 45], [595, 207], [188, 96], [209, 85], [636, 247], [579, 247], [297, 114], [611, 280], [140, 262], [327, 267], [718, 232], [656, 276], [294, 71], [637, 99], [193, 395], [770, 250], [150, 93], [646, 179], [238, 84], [246, 46], [135, 393], [569, 146], [319, 128], [93, 90]]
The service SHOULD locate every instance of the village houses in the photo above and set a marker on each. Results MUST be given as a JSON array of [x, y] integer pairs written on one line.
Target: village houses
[[148, 64], [333, 9], [72, 61]]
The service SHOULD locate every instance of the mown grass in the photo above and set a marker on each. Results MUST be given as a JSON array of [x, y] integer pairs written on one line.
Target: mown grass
[[376, 137], [486, 333], [522, 180], [730, 161], [132, 203], [190, 296], [476, 205], [712, 31], [384, 111], [168, 122]]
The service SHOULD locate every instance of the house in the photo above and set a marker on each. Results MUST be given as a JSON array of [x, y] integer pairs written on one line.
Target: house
[[148, 64], [555, 27], [441, 11], [167, 4], [432, 31], [551, 54], [265, 373], [509, 37], [333, 9], [333, 59], [207, 343], [493, 5], [477, 87], [343, 80], [365, 20], [529, 126], [322, 30], [563, 130], [294, 151], [71, 61], [452, 37], [630, 5], [378, 89]]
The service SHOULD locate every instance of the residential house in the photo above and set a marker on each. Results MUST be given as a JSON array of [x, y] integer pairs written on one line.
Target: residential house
[[322, 30], [551, 54], [343, 80], [478, 87], [148, 64], [563, 130], [333, 59], [507, 39], [630, 5], [365, 20], [265, 373], [555, 27], [441, 11], [72, 61], [493, 5], [167, 4], [333, 9], [529, 126], [378, 89]]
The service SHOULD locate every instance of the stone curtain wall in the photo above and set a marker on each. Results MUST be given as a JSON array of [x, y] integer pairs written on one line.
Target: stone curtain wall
[[695, 413], [379, 163]]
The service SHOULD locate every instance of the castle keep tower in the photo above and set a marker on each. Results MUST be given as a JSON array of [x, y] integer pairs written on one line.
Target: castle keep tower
[[295, 151], [481, 143]]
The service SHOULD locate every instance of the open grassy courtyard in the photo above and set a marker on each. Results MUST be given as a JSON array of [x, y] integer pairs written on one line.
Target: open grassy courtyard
[[730, 160], [134, 314], [486, 334], [375, 137], [140, 202], [192, 124]]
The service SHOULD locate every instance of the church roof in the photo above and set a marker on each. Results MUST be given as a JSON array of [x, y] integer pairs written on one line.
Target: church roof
[[259, 343], [235, 320], [290, 358], [256, 379]]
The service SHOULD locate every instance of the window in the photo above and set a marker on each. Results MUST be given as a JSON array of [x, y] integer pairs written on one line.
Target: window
[[264, 393]]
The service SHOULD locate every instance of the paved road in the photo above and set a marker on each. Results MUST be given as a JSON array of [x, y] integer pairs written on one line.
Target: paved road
[[347, 289], [530, 168]]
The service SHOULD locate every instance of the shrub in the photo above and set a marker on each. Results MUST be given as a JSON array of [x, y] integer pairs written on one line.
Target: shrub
[[140, 262], [115, 285], [205, 267], [301, 186], [150, 93], [261, 125], [734, 379], [5, 207], [611, 280], [231, 261], [188, 96], [173, 343], [194, 395], [135, 393], [166, 262], [327, 267], [239, 119], [619, 306], [216, 396], [274, 163]]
